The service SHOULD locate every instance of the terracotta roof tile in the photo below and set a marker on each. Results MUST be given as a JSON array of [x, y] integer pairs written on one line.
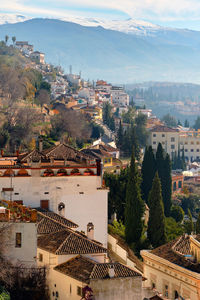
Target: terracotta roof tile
[[161, 128], [55, 217], [175, 252], [69, 242], [85, 269]]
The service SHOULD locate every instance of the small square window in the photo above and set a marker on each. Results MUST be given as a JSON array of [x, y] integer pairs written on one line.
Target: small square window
[[192, 150], [172, 139], [163, 135], [154, 143], [197, 150], [18, 240], [172, 146], [154, 135], [186, 150]]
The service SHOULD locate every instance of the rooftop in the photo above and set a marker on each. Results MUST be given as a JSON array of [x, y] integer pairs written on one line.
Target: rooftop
[[66, 241], [50, 222], [162, 128], [176, 252], [85, 270]]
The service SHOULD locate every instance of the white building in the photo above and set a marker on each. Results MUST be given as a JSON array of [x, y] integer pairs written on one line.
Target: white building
[[18, 231], [38, 57], [119, 96], [60, 176], [174, 140], [74, 79], [88, 94]]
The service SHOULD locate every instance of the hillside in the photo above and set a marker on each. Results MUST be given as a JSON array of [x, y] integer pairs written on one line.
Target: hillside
[[113, 55]]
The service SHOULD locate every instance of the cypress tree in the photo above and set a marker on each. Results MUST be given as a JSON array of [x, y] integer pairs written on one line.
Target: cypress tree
[[167, 186], [156, 224], [189, 226], [148, 172], [198, 225], [120, 136], [134, 207]]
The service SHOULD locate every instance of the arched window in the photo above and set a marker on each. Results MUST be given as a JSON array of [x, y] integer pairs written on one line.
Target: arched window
[[9, 173], [22, 172], [62, 172], [48, 173], [174, 186], [75, 172], [88, 172]]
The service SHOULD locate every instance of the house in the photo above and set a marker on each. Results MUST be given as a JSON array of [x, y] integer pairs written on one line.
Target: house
[[168, 137], [38, 57], [24, 47], [76, 263], [177, 182], [173, 269], [59, 175], [18, 231], [119, 96]]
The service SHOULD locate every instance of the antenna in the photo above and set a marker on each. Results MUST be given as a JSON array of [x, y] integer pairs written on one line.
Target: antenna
[[80, 74]]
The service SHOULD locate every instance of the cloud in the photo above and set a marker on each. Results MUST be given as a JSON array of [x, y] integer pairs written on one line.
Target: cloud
[[138, 9]]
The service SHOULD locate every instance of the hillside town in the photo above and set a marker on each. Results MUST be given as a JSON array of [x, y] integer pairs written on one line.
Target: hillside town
[[113, 215]]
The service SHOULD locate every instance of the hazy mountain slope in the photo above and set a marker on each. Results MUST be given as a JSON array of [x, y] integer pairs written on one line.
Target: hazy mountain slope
[[113, 55]]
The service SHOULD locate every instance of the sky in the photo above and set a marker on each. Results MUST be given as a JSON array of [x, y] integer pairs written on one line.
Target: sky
[[173, 13]]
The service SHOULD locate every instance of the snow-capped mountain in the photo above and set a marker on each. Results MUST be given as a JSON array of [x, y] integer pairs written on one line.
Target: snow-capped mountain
[[129, 26]]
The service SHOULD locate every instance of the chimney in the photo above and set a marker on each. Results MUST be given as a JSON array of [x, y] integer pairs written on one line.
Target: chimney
[[90, 231], [111, 271], [40, 145]]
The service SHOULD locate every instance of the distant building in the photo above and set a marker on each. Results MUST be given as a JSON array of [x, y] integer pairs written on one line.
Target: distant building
[[38, 57], [173, 269], [24, 47], [119, 96]]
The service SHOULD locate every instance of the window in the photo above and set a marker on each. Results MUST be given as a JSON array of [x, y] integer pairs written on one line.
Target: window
[[197, 150], [40, 257], [192, 150], [172, 139], [166, 291], [163, 135], [44, 204], [186, 150], [70, 288], [186, 143], [172, 146], [153, 285], [192, 143], [79, 291], [57, 295], [154, 135], [18, 240], [197, 143], [180, 184], [154, 143]]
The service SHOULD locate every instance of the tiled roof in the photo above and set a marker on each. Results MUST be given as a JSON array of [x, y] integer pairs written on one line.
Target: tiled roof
[[69, 242], [34, 155], [85, 269], [175, 252], [55, 217], [63, 151], [161, 128]]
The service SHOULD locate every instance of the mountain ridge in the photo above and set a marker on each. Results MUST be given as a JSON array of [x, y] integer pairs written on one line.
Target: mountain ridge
[[115, 56]]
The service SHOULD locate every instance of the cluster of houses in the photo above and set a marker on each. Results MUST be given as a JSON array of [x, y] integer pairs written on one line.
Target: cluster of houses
[[55, 205]]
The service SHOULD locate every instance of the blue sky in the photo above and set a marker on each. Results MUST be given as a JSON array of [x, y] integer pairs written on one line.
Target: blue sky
[[175, 13]]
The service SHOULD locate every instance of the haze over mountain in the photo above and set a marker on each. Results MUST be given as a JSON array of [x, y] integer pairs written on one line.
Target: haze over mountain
[[145, 52]]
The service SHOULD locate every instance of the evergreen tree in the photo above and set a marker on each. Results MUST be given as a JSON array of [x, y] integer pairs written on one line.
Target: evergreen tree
[[134, 207], [148, 172], [156, 231], [198, 225], [163, 165], [120, 136], [189, 226], [167, 186], [186, 124]]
